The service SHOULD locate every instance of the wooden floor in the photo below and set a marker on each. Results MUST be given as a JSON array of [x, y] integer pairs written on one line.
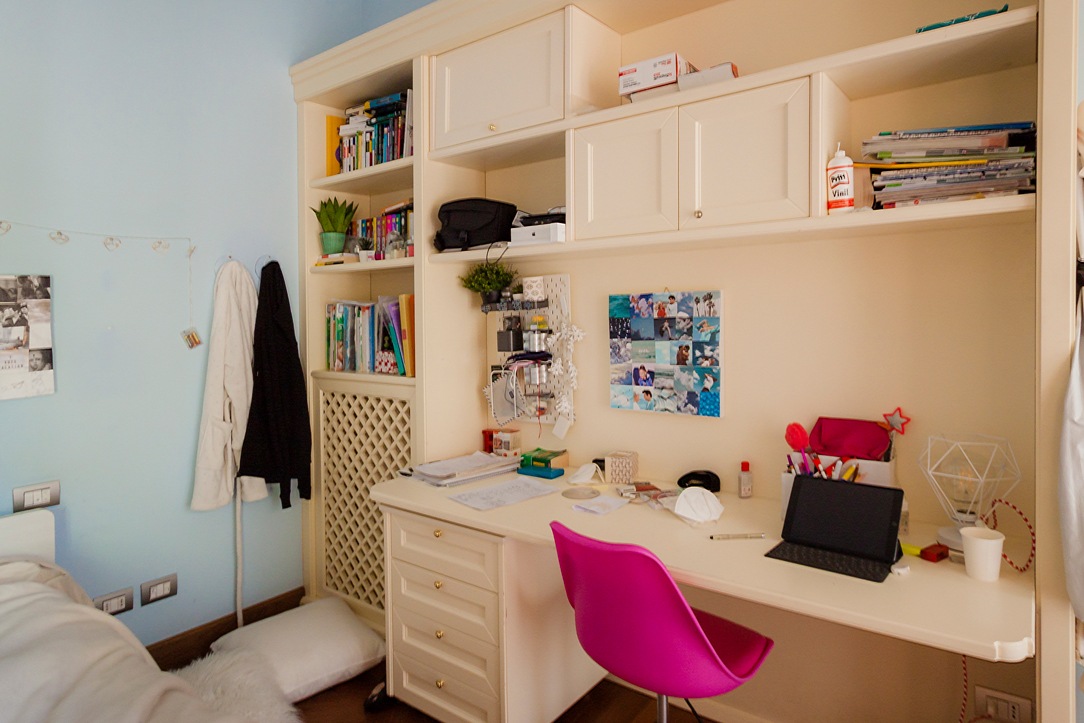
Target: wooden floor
[[605, 702]]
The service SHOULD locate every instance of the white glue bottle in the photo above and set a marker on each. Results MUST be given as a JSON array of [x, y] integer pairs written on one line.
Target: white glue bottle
[[840, 173], [745, 481]]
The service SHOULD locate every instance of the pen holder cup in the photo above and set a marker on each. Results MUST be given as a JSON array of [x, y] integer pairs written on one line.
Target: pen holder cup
[[870, 472]]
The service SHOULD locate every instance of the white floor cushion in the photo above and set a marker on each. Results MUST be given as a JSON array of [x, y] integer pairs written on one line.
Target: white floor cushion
[[310, 648]]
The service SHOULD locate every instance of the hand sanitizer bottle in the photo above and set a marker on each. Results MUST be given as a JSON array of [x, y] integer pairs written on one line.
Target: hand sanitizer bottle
[[745, 481]]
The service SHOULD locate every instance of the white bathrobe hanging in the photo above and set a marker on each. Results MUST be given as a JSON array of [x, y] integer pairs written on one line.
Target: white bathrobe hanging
[[227, 393], [1071, 477]]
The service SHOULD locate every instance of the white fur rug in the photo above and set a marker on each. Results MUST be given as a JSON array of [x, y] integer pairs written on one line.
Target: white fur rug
[[240, 682]]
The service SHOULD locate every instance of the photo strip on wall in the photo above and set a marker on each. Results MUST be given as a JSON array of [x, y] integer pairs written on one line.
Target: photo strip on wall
[[26, 337], [666, 352]]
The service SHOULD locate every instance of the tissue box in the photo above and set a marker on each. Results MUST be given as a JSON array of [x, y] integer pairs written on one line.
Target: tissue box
[[652, 73], [621, 468]]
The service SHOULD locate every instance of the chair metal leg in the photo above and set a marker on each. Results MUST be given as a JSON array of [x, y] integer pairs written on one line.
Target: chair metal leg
[[663, 708]]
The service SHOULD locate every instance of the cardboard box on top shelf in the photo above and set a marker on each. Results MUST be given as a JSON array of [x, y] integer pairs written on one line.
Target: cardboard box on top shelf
[[652, 73]]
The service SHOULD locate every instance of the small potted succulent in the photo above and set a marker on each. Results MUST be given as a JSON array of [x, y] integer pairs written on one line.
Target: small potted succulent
[[334, 217], [489, 278]]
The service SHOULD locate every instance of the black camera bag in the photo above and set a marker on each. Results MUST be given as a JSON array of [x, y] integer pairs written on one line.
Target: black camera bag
[[470, 222]]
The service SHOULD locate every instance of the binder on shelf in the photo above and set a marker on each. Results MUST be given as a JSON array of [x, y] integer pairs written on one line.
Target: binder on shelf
[[332, 123]]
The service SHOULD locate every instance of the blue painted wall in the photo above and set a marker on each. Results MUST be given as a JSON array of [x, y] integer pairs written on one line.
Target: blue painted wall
[[143, 121]]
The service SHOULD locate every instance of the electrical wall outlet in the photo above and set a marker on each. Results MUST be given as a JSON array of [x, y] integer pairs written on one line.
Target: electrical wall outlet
[[155, 590], [28, 497], [117, 602], [1002, 707]]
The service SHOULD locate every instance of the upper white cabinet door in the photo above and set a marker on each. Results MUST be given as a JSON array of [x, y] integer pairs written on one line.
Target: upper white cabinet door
[[745, 157], [507, 81], [625, 176]]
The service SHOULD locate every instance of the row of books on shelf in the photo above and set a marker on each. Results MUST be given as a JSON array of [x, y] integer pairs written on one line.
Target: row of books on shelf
[[391, 231], [938, 165], [374, 337], [377, 131]]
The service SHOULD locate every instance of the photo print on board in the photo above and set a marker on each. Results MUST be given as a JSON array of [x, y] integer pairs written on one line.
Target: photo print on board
[[26, 337], [666, 352]]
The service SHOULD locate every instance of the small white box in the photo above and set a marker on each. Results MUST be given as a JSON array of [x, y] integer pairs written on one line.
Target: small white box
[[656, 91], [714, 74], [621, 468], [542, 233], [652, 73]]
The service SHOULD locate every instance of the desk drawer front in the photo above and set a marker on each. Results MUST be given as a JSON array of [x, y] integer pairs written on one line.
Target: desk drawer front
[[442, 696], [446, 649], [452, 603], [453, 551]]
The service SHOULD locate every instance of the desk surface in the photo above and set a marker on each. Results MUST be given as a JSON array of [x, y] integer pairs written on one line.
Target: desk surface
[[935, 604]]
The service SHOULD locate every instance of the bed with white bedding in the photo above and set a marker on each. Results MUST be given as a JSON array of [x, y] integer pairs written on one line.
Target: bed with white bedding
[[63, 660]]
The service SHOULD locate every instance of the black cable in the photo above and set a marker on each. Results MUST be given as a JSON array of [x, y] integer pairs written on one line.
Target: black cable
[[695, 714]]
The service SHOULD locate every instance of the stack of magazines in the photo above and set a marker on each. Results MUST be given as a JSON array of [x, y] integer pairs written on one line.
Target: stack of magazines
[[936, 165], [457, 470]]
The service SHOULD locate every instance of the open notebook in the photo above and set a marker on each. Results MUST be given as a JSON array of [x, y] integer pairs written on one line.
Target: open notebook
[[844, 527]]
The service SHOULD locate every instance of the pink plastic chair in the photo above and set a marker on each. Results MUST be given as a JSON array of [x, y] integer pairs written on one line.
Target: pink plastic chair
[[632, 619]]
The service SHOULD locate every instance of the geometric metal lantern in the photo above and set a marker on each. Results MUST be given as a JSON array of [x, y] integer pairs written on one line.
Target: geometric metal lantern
[[967, 475]]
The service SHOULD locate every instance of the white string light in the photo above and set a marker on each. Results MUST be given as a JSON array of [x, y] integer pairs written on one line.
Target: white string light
[[111, 242]]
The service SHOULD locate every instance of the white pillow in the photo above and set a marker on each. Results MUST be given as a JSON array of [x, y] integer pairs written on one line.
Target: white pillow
[[311, 648]]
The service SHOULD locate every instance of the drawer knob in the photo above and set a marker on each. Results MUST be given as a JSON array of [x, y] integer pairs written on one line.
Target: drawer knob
[[440, 683], [437, 533], [492, 126], [438, 584], [440, 634], [699, 213]]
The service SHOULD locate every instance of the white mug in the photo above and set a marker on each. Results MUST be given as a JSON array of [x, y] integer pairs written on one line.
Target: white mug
[[982, 552]]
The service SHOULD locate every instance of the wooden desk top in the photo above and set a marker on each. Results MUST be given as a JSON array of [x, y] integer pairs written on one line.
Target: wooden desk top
[[935, 604]]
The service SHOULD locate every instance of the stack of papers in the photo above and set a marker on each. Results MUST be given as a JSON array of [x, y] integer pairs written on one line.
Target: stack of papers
[[457, 470]]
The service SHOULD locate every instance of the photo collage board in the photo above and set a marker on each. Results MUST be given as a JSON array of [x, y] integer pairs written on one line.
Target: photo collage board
[[666, 352]]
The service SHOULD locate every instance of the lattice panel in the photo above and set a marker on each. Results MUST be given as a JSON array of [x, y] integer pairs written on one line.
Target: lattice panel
[[364, 439]]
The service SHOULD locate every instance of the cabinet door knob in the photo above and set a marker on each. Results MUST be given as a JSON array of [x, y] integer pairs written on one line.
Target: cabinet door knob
[[699, 213], [440, 634], [492, 126], [437, 533], [440, 683], [438, 584]]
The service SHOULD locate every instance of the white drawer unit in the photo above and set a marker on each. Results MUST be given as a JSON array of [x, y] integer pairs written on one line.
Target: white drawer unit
[[444, 618]]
